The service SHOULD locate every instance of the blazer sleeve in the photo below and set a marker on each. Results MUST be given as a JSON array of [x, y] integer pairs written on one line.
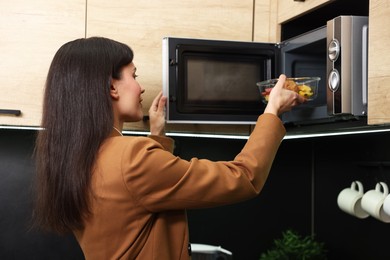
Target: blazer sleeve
[[166, 142], [160, 181]]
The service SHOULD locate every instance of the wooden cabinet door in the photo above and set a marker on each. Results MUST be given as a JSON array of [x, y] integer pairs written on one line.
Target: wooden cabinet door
[[143, 24], [30, 34], [379, 63], [289, 9], [265, 24]]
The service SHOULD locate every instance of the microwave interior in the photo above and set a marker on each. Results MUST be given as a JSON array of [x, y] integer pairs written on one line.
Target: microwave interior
[[215, 82], [209, 81]]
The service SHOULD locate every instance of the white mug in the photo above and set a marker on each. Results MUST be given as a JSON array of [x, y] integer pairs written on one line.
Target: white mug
[[349, 200], [372, 202]]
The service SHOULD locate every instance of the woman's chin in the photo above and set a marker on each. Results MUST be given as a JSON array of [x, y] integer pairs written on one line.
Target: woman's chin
[[135, 118]]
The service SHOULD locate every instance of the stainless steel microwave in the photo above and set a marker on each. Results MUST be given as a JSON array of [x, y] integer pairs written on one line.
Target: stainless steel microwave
[[214, 81]]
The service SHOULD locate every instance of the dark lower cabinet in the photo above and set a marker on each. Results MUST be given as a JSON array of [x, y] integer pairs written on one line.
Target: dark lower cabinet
[[300, 194]]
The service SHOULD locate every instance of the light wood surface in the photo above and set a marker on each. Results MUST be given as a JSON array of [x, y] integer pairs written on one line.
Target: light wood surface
[[288, 9], [266, 27], [30, 34], [379, 63], [32, 31]]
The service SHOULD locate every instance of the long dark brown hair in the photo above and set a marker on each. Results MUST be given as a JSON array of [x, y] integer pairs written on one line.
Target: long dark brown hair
[[77, 118]]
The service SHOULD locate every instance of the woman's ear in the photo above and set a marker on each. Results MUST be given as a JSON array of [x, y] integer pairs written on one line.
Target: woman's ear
[[114, 90]]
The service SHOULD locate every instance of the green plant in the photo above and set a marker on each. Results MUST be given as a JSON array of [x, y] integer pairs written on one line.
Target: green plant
[[294, 247]]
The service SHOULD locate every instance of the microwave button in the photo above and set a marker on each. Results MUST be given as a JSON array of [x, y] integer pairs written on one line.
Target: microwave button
[[334, 50], [334, 80]]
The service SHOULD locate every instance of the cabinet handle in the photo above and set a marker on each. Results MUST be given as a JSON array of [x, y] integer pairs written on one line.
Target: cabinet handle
[[10, 112]]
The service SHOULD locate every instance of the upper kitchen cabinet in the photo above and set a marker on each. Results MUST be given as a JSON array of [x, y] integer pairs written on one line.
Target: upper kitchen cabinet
[[265, 24], [317, 15], [269, 16], [289, 9], [143, 24], [379, 63], [30, 34], [276, 21]]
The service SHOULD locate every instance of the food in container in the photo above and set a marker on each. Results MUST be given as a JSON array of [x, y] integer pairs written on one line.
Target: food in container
[[307, 87]]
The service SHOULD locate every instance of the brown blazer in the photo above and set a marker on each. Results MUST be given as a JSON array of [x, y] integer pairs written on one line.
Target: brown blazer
[[141, 191]]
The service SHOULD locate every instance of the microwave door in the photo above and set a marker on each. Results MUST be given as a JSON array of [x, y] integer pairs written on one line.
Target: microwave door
[[214, 81], [305, 56], [273, 50]]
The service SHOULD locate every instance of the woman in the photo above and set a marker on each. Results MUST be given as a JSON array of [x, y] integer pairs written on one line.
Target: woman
[[125, 197]]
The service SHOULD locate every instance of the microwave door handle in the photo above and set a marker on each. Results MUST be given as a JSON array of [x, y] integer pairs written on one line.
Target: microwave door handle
[[365, 64]]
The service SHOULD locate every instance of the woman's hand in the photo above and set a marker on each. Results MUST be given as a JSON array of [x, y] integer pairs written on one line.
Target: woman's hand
[[282, 100], [157, 115]]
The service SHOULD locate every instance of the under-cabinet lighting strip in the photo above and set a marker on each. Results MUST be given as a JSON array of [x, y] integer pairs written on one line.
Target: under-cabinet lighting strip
[[370, 131], [21, 127], [225, 136]]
